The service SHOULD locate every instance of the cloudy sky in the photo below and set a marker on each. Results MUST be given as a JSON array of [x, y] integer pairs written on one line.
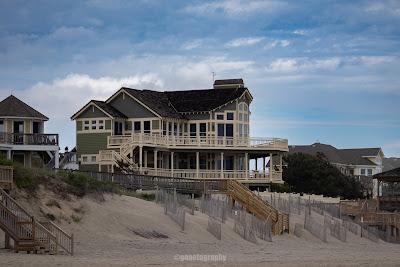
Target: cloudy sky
[[318, 70]]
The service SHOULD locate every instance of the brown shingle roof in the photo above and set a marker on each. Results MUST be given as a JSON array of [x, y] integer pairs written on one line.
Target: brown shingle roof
[[228, 81], [392, 175], [13, 107]]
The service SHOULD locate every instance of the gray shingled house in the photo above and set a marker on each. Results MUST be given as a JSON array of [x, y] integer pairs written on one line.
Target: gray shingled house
[[362, 163], [22, 137], [192, 133]]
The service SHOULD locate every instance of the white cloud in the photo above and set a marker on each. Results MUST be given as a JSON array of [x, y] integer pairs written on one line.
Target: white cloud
[[300, 64], [246, 41], [192, 44], [299, 32], [236, 7], [275, 43]]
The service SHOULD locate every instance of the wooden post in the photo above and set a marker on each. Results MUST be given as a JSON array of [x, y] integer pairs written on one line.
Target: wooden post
[[6, 241], [197, 164]]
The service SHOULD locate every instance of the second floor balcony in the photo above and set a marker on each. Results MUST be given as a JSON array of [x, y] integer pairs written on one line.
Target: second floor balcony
[[28, 139], [173, 141]]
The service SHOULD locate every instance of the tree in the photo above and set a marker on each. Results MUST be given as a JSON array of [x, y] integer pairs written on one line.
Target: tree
[[315, 175]]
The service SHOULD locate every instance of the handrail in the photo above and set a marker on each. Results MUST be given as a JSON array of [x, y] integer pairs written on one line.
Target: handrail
[[28, 139], [7, 200], [64, 240], [199, 141]]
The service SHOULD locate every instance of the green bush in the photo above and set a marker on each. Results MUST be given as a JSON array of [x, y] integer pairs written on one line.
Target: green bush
[[24, 177]]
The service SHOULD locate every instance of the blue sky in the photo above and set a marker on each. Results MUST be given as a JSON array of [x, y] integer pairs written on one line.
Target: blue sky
[[318, 70]]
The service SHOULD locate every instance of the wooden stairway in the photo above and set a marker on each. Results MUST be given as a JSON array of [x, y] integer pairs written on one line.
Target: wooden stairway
[[255, 205], [27, 233]]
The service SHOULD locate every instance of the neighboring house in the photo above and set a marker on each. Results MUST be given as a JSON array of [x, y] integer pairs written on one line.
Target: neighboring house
[[362, 163], [22, 137], [193, 134], [390, 163]]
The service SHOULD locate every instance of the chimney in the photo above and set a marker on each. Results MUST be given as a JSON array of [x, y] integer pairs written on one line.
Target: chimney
[[228, 83]]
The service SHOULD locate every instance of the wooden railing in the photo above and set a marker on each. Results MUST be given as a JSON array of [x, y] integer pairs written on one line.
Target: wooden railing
[[214, 174], [6, 177], [22, 226], [62, 239], [382, 218], [198, 141], [254, 204], [28, 139]]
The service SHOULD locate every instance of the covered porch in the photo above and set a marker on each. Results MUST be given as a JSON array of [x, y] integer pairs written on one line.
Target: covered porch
[[389, 190]]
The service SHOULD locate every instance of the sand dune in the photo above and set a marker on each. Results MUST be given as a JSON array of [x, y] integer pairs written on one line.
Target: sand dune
[[108, 235]]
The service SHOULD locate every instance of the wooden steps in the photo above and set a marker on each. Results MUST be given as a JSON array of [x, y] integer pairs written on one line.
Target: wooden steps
[[255, 205], [27, 233]]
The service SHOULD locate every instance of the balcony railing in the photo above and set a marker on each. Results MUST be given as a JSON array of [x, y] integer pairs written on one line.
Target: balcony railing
[[28, 139], [214, 174], [198, 141]]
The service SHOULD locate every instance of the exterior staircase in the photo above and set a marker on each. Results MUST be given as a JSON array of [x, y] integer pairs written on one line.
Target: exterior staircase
[[255, 205], [29, 234]]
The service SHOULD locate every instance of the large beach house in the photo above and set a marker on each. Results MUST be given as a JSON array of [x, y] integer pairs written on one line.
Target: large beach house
[[22, 137], [184, 134]]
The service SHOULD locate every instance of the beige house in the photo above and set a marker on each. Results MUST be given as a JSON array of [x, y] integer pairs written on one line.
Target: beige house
[[22, 137], [200, 134]]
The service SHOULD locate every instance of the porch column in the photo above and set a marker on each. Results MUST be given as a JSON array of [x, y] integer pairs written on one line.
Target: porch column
[[256, 163], [271, 166], [222, 165], [9, 154], [56, 159], [155, 162], [263, 167], [280, 163], [140, 158], [172, 164], [197, 164], [145, 158], [246, 164]]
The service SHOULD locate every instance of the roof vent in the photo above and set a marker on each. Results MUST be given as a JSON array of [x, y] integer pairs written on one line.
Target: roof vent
[[228, 83]]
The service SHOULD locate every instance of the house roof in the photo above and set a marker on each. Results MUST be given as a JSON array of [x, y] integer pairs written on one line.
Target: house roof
[[174, 103], [108, 109], [392, 175], [354, 156], [390, 163], [13, 107]]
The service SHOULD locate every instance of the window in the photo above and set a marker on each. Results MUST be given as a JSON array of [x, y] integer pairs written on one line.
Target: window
[[84, 158], [369, 172], [229, 130], [101, 125], [146, 126], [136, 126], [1, 126], [94, 127], [230, 116], [193, 129], [36, 127], [86, 125], [220, 117], [221, 129], [203, 129], [93, 158], [362, 171], [164, 126]]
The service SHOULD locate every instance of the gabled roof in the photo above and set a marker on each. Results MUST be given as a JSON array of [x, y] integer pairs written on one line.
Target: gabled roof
[[390, 163], [175, 103], [13, 107], [353, 156], [103, 106], [157, 102]]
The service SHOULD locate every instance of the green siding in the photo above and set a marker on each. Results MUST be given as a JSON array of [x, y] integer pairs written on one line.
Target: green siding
[[91, 143], [79, 125], [108, 124]]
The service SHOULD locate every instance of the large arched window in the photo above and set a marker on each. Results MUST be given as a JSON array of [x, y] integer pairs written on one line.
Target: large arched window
[[243, 119]]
